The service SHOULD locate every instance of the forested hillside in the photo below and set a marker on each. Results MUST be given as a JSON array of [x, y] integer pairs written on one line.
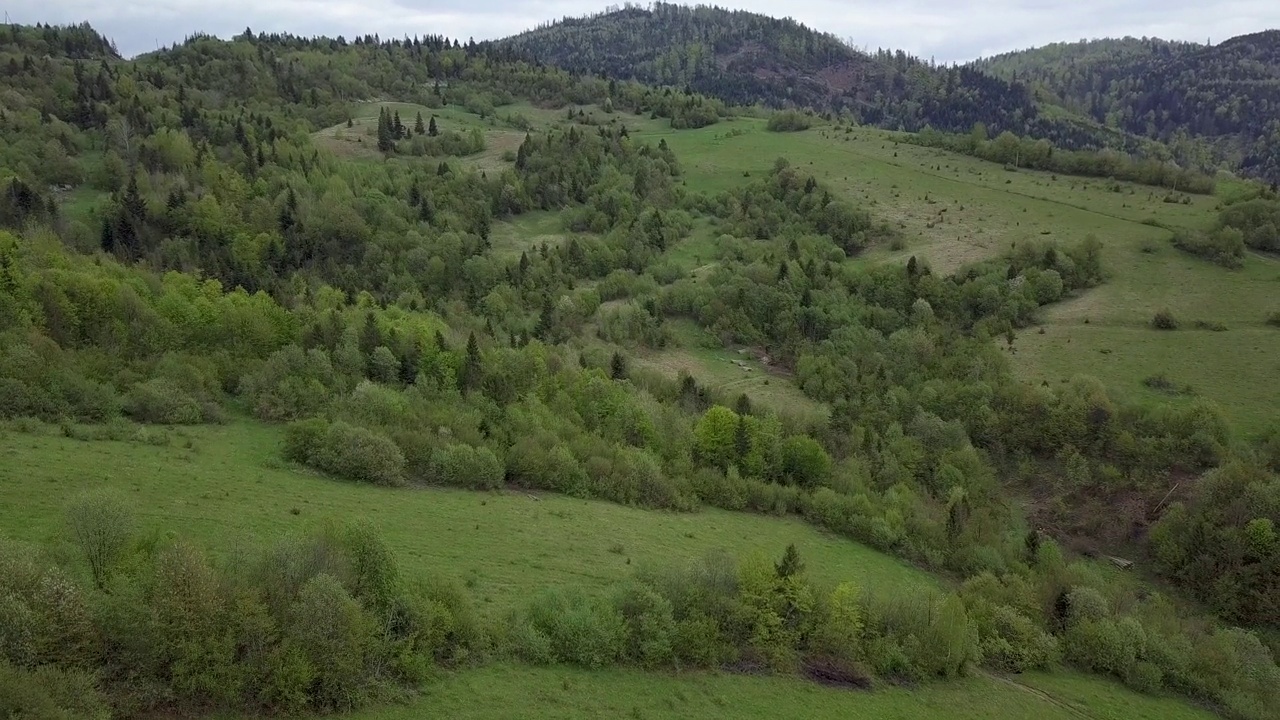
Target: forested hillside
[[180, 248], [1226, 94], [745, 58], [1071, 73]]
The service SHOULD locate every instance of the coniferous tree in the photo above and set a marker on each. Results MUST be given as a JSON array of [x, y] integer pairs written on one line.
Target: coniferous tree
[[791, 565], [386, 141], [397, 128], [432, 129], [618, 367], [418, 127], [469, 376]]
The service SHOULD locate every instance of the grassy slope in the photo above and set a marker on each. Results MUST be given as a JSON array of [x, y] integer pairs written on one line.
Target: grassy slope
[[986, 208], [227, 488], [230, 488], [1107, 333], [518, 692]]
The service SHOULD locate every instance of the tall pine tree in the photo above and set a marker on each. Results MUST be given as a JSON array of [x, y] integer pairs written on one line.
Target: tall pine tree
[[386, 141], [469, 375]]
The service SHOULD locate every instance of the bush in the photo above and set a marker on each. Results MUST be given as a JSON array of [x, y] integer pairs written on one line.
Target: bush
[[44, 617], [1010, 641], [164, 402], [1164, 320], [1101, 646], [1274, 319], [581, 630], [1224, 246], [926, 635], [101, 525], [649, 625], [460, 465], [347, 451], [291, 384], [331, 634], [50, 693], [790, 121]]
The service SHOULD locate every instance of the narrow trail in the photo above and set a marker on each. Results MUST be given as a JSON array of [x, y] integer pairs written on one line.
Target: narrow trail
[[1042, 695]]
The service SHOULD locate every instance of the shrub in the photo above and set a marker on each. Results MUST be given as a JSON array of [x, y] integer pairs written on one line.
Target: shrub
[[1274, 319], [331, 633], [1210, 325], [1144, 677], [347, 451], [291, 384], [582, 630], [534, 465], [1010, 641], [1164, 320], [44, 617], [649, 625], [1086, 604], [804, 462], [51, 693], [460, 465], [1101, 646], [304, 439], [164, 402], [790, 121], [923, 636], [90, 401], [102, 527], [373, 404], [1224, 246]]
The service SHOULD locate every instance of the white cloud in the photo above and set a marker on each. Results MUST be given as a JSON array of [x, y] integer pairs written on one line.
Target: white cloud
[[954, 30]]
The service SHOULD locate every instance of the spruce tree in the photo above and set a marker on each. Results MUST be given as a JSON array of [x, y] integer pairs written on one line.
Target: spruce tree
[[741, 438], [432, 129], [418, 127], [396, 126], [469, 376], [385, 140], [791, 564], [618, 367]]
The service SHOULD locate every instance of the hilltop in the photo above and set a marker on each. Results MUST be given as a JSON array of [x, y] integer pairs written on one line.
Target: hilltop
[[1225, 94], [745, 58]]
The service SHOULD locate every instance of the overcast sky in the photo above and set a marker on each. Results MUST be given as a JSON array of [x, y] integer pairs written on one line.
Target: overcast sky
[[947, 30]]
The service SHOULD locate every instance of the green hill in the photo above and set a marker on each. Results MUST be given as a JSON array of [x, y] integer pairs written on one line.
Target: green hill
[[308, 407], [1171, 92]]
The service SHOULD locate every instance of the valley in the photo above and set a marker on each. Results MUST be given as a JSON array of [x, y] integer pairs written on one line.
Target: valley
[[382, 378]]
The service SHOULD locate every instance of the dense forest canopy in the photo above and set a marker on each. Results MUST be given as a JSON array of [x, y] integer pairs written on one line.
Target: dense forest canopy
[[179, 249], [1226, 94]]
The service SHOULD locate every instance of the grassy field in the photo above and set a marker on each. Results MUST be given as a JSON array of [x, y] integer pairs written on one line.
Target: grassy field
[[509, 238], [953, 209], [1107, 333], [230, 489], [729, 370], [360, 141], [520, 692], [224, 487]]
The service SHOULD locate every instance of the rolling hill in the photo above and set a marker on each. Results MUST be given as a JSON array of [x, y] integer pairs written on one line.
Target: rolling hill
[[1226, 94], [745, 58], [338, 372]]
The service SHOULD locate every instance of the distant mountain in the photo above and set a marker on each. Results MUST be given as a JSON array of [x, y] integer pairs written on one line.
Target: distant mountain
[[1072, 72], [746, 58], [1227, 94]]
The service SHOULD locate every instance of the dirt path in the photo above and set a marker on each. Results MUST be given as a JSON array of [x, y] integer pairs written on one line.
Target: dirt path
[[1072, 709]]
